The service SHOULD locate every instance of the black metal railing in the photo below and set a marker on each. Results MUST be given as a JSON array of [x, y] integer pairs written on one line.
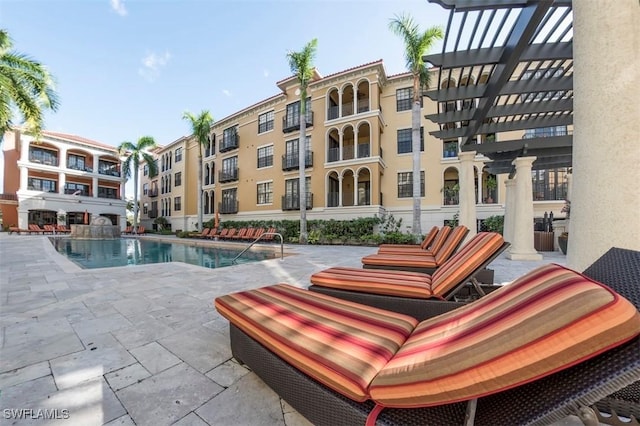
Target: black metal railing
[[333, 155], [291, 124], [229, 142], [228, 175], [153, 213], [152, 192], [228, 207], [333, 199], [292, 201], [291, 161]]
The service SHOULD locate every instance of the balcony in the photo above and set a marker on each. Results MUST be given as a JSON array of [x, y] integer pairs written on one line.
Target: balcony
[[229, 142], [80, 192], [152, 193], [291, 124], [292, 201], [228, 207], [228, 175], [47, 161], [333, 112], [291, 161], [153, 213]]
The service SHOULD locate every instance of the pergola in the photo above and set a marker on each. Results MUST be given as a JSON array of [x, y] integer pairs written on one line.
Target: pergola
[[506, 65]]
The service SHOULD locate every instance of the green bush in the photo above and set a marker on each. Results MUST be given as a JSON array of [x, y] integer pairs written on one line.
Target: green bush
[[494, 224]]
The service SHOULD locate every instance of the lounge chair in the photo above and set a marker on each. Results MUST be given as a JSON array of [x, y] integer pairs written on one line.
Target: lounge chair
[[202, 234], [230, 234], [63, 229], [549, 345], [51, 229], [33, 228], [413, 293], [240, 235], [128, 230], [424, 245], [223, 233], [249, 236], [442, 249], [17, 230], [270, 234], [141, 230]]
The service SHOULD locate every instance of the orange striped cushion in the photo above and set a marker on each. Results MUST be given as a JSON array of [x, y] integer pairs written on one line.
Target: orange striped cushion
[[377, 281], [340, 344], [424, 245], [439, 239], [451, 244], [548, 320], [469, 258]]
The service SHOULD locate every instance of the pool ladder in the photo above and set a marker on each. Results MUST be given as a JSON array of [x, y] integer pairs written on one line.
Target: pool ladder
[[233, 262]]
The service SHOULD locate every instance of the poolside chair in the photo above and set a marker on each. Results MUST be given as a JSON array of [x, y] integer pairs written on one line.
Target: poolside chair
[[141, 230], [551, 344], [249, 235], [128, 230], [241, 233], [33, 228], [51, 229], [426, 262], [230, 234], [269, 234], [223, 233], [423, 246], [258, 233], [63, 229], [414, 293], [214, 233], [17, 230], [204, 233]]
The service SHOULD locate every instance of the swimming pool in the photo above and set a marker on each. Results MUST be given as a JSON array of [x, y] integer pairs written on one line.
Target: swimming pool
[[90, 254]]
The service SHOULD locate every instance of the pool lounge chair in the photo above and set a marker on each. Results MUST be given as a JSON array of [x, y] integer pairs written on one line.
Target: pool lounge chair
[[202, 234], [63, 229], [423, 246], [17, 230], [442, 249], [413, 293], [230, 234], [35, 229], [331, 359], [241, 233]]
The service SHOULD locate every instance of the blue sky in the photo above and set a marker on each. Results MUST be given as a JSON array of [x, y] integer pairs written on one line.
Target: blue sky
[[130, 68]]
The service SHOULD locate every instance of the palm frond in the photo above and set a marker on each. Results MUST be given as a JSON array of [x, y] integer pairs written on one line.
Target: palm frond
[[301, 63], [153, 167], [200, 125]]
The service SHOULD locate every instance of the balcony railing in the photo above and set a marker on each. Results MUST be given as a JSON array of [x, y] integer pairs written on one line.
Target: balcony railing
[[229, 142], [153, 214], [292, 201], [73, 191], [363, 105], [228, 175], [333, 199], [109, 172], [333, 155], [48, 161], [291, 161], [291, 124], [228, 207], [364, 150], [9, 197], [333, 112], [152, 193]]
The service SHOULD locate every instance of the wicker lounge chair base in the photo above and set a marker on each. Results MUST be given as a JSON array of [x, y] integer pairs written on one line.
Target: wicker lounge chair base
[[542, 401]]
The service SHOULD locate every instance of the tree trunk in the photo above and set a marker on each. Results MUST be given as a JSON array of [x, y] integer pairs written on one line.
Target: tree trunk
[[415, 145], [200, 218], [302, 147]]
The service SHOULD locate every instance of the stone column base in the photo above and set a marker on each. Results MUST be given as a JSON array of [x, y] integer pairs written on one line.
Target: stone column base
[[524, 256]]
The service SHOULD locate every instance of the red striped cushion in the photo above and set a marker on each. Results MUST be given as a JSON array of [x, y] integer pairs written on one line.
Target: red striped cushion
[[414, 260], [377, 281], [468, 259], [402, 248], [340, 344], [451, 244], [548, 320], [439, 240]]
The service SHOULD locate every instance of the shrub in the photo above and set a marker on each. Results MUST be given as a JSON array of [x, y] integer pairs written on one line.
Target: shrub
[[494, 223]]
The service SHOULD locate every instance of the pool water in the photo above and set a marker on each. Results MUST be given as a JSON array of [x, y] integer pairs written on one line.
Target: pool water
[[91, 254]]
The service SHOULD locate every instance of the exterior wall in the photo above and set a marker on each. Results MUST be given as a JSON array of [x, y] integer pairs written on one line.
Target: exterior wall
[[62, 204], [335, 113]]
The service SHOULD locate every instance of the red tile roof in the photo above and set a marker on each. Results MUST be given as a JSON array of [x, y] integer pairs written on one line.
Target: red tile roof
[[80, 139]]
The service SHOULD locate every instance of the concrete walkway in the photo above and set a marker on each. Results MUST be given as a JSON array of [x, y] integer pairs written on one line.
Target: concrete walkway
[[141, 345]]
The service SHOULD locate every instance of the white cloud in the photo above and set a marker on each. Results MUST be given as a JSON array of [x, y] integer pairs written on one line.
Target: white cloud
[[152, 63], [226, 92], [118, 7]]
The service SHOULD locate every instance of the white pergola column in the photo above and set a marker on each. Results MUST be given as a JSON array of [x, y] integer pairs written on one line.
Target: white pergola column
[[340, 190], [467, 193], [355, 189], [62, 182], [94, 184], [509, 209], [479, 188], [606, 154], [522, 247]]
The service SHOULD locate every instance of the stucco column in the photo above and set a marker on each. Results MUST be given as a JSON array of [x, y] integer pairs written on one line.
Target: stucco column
[[479, 188], [522, 242], [606, 154], [24, 148], [340, 190], [24, 178], [355, 189], [94, 187], [509, 209], [62, 160], [467, 193], [62, 181]]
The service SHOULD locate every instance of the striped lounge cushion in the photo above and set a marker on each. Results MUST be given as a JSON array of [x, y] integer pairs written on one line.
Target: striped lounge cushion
[[451, 245], [547, 320], [340, 344], [412, 261], [403, 248], [378, 281]]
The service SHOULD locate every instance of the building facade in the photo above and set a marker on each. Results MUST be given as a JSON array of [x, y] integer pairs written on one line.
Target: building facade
[[358, 159], [58, 179]]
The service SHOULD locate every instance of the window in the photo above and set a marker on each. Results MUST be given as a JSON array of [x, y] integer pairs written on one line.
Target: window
[[145, 189], [265, 122], [145, 208], [265, 156], [177, 203], [229, 139], [545, 132], [75, 162], [145, 170], [177, 179], [404, 140], [108, 168], [210, 148], [549, 184], [229, 170], [178, 155], [104, 192], [229, 202], [405, 184], [44, 156], [450, 149], [43, 185], [292, 117], [265, 193], [77, 189], [404, 99]]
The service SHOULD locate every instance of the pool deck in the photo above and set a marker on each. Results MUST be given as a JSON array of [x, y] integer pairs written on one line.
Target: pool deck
[[143, 345]]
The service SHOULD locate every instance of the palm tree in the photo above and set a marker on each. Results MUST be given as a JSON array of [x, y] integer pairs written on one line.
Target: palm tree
[[134, 155], [301, 64], [416, 45], [26, 85], [201, 129]]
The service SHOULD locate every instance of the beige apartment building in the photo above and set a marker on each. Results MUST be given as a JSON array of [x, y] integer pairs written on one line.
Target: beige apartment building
[[61, 179], [358, 159]]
